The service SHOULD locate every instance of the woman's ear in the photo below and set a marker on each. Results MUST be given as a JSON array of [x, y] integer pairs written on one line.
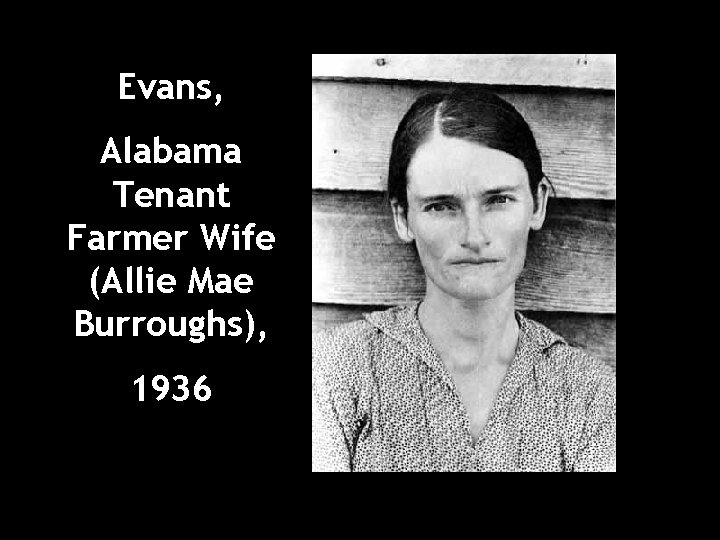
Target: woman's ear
[[538, 217], [401, 221]]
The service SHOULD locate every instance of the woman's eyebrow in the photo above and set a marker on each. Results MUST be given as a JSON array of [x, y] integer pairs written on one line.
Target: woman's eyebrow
[[501, 189], [445, 197], [436, 198]]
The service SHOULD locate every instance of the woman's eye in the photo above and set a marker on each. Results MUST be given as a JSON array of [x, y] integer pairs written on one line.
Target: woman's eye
[[500, 199], [439, 207]]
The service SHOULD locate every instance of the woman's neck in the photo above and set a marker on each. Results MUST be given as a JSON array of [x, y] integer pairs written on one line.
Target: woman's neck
[[470, 333]]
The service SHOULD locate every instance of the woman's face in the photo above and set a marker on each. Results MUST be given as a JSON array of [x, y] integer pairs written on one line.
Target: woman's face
[[469, 211]]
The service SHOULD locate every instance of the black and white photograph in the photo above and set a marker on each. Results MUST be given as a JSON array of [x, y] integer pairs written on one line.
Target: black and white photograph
[[463, 263]]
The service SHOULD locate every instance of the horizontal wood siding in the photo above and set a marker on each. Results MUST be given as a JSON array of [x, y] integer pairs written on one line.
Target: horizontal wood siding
[[353, 127], [593, 332], [358, 258], [564, 70]]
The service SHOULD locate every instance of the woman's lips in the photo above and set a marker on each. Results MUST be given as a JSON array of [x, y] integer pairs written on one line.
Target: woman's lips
[[475, 261]]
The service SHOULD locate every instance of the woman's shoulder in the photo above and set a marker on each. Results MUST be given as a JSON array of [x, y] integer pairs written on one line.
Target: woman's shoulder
[[359, 332], [349, 347], [341, 339], [574, 366]]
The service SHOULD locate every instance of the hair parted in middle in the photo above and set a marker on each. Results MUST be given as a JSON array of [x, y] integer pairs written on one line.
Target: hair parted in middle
[[472, 115]]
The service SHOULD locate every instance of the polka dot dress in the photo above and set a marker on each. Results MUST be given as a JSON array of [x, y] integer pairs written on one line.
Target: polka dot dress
[[382, 400]]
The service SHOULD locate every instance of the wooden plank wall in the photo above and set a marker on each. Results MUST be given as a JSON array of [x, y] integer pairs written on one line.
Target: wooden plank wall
[[359, 265]]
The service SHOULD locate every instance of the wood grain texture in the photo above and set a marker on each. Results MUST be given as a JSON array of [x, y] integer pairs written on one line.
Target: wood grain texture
[[564, 70], [593, 332], [354, 123], [358, 259]]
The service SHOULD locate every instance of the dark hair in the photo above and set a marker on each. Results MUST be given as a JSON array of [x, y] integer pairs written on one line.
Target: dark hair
[[471, 115]]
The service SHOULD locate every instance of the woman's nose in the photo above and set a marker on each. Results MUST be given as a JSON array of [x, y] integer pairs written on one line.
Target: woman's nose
[[474, 234]]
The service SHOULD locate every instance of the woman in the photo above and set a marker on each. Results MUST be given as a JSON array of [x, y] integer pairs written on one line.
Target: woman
[[460, 381]]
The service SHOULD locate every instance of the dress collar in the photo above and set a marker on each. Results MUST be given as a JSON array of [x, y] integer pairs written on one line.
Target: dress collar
[[403, 325]]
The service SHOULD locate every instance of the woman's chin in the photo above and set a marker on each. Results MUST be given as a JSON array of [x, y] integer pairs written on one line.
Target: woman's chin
[[472, 291]]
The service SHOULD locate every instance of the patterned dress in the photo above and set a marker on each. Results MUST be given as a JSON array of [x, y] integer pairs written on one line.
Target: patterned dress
[[382, 400]]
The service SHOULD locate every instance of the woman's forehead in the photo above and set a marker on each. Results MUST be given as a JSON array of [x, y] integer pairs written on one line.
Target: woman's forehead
[[446, 164]]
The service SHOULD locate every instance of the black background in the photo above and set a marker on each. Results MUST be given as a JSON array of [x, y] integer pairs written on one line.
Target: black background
[[92, 405]]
